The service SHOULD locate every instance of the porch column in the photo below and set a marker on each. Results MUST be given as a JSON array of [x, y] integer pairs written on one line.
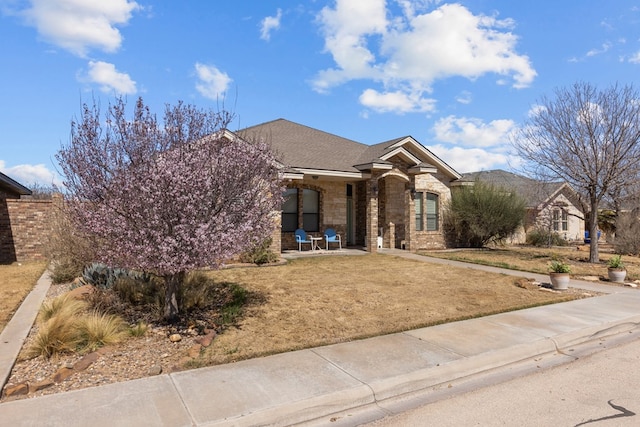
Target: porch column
[[372, 216], [409, 219]]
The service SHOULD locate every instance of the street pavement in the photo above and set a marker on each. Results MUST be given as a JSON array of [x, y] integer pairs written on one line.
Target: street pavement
[[600, 389], [352, 383]]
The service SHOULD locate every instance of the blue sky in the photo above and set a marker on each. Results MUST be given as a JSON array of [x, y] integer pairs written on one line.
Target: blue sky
[[458, 77]]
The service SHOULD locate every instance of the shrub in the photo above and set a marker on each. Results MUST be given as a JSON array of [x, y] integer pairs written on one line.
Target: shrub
[[139, 290], [481, 214], [559, 267], [63, 328], [139, 329], [98, 329], [627, 239], [67, 249], [544, 238], [59, 334], [260, 254], [63, 305], [198, 291], [615, 262]]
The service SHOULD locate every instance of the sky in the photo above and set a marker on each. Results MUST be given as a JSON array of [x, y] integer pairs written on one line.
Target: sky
[[459, 77]]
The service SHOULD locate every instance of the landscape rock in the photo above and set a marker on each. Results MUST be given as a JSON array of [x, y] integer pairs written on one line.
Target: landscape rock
[[154, 370], [41, 385], [20, 389], [62, 374], [175, 338], [86, 361], [206, 339], [194, 351]]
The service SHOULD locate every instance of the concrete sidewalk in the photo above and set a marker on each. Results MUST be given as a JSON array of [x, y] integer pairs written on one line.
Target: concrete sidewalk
[[356, 382]]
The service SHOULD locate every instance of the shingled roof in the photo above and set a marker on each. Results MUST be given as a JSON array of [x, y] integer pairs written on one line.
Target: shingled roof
[[300, 146], [533, 191], [11, 186]]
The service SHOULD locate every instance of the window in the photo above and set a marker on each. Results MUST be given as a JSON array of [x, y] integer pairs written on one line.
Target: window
[[560, 220], [432, 212], [308, 201], [417, 200], [290, 210], [426, 213], [310, 210]]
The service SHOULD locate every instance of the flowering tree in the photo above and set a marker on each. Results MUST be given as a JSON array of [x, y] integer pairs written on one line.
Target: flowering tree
[[167, 199]]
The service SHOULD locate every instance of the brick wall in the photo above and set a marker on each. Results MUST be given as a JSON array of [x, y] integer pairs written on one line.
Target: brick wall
[[25, 227]]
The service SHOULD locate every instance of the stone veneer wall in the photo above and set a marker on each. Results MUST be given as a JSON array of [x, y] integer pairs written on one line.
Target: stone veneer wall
[[333, 211], [432, 184], [25, 226]]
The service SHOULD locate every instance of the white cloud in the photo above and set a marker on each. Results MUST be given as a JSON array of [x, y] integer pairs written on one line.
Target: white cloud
[[635, 58], [345, 29], [212, 83], [465, 97], [110, 79], [269, 24], [471, 159], [473, 132], [79, 25], [398, 102], [28, 175], [603, 49], [410, 52]]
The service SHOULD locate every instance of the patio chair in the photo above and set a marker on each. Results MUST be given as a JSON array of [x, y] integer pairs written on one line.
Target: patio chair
[[330, 236], [301, 237]]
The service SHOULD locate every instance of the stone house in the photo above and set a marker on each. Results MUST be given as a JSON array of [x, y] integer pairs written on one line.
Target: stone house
[[552, 206], [387, 195]]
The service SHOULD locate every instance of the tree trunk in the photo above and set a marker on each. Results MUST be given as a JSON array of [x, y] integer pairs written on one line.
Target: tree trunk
[[172, 284], [593, 232]]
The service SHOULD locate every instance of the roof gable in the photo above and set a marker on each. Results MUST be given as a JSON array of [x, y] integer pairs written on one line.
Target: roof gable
[[303, 147]]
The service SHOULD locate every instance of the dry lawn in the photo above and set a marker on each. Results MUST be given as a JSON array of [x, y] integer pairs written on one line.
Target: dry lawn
[[16, 281], [537, 260], [324, 300]]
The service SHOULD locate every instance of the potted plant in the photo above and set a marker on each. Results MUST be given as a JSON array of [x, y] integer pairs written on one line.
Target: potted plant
[[616, 270], [559, 275]]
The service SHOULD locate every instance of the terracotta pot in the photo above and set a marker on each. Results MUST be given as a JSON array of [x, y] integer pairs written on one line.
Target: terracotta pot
[[617, 274], [560, 281]]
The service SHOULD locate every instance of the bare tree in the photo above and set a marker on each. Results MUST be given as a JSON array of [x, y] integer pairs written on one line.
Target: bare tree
[[587, 137]]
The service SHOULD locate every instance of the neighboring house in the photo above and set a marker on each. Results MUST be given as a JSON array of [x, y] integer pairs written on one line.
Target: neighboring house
[[553, 206], [389, 194], [10, 191]]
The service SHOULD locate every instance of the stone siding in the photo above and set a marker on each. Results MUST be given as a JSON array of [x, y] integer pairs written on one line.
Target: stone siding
[[333, 211]]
